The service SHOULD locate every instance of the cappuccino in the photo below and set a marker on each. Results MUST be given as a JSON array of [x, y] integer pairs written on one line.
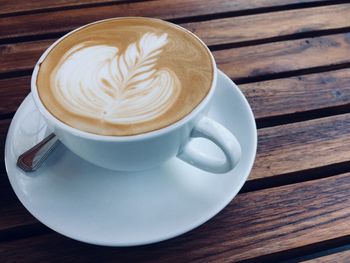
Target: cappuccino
[[125, 76]]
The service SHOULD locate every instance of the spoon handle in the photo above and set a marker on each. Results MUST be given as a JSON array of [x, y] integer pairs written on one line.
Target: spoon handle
[[33, 158]]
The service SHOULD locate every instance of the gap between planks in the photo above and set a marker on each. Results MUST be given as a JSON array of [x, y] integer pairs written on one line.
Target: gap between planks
[[316, 148], [10, 8], [317, 136], [275, 223], [317, 95], [32, 7], [52, 24], [318, 252]]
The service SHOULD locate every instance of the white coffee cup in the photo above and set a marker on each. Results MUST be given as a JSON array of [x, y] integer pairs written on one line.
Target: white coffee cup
[[147, 150]]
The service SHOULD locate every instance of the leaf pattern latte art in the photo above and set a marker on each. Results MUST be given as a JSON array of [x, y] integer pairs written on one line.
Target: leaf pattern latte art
[[99, 81]]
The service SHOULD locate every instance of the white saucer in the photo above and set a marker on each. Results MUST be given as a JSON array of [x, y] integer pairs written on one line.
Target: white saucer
[[98, 206]]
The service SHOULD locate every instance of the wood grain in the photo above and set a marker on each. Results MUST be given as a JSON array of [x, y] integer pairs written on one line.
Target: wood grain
[[4, 125], [281, 149], [12, 93], [238, 63], [267, 98], [297, 94], [254, 224], [293, 147], [302, 145], [272, 58], [271, 25], [22, 56], [54, 22], [339, 257], [19, 7], [13, 214]]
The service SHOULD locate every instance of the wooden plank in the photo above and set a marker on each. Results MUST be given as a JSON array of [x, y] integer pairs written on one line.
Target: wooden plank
[[254, 224], [293, 147], [297, 94], [238, 63], [12, 93], [302, 145], [272, 58], [4, 125], [267, 98], [13, 213], [54, 22], [271, 25], [343, 256], [16, 7], [22, 56], [281, 149]]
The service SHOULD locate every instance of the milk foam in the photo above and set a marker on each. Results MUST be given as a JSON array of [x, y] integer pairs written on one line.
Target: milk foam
[[125, 76], [101, 82]]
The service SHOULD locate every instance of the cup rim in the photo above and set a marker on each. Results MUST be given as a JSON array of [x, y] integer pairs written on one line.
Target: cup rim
[[98, 137]]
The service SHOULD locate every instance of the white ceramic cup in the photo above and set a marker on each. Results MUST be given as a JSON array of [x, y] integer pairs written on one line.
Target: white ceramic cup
[[147, 150]]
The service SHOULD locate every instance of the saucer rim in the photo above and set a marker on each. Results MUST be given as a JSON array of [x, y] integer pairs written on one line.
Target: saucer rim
[[190, 227]]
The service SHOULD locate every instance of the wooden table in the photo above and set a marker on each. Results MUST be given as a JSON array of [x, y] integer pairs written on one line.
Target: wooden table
[[291, 58]]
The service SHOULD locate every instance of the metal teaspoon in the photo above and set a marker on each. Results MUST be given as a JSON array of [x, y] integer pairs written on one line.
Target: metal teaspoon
[[33, 158]]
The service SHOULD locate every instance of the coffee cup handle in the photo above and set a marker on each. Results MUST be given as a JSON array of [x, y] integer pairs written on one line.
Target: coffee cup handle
[[222, 137]]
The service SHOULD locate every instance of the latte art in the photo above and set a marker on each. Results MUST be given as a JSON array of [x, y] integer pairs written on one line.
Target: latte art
[[119, 87], [125, 76]]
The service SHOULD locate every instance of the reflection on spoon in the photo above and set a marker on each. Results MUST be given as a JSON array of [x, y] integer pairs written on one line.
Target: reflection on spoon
[[33, 158]]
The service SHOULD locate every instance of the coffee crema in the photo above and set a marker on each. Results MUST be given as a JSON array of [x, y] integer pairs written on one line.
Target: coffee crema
[[125, 76]]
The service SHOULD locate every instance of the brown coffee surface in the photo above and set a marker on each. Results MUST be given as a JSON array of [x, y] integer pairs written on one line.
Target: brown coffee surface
[[125, 76]]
